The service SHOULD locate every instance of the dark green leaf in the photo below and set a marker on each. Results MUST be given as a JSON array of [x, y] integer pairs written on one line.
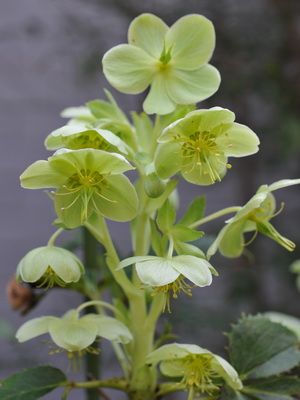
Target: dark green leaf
[[255, 340], [274, 388], [194, 212], [31, 384]]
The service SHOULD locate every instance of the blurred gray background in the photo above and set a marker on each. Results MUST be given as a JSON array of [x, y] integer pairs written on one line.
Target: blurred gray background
[[51, 54]]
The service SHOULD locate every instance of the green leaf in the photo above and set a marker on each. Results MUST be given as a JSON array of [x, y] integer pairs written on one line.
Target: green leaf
[[31, 384], [185, 234], [194, 212], [276, 385], [155, 204], [229, 394], [158, 242], [144, 130], [188, 249], [255, 340], [166, 217]]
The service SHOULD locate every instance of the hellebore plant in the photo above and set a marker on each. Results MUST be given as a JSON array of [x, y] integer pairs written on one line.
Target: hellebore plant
[[86, 175]]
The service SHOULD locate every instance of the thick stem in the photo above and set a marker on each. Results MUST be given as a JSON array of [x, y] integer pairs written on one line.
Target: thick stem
[[92, 360]]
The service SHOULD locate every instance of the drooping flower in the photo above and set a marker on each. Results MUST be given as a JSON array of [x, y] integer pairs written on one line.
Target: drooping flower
[[49, 266], [86, 181], [199, 145], [199, 369], [255, 217], [167, 275], [73, 333], [172, 60], [82, 136]]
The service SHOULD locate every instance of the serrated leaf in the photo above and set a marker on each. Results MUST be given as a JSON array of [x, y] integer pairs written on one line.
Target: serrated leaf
[[194, 212], [166, 217], [31, 384], [253, 341], [184, 234], [274, 388]]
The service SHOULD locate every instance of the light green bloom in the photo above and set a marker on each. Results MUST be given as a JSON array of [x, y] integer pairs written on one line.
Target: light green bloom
[[295, 268], [290, 322], [167, 274], [49, 266], [73, 333], [198, 367], [255, 217], [172, 60], [85, 181], [82, 136], [199, 145]]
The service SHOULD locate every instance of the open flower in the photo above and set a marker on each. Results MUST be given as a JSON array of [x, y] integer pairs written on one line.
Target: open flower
[[172, 60], [73, 333], [255, 217], [82, 136], [167, 275], [199, 145], [199, 369], [86, 181], [49, 266]]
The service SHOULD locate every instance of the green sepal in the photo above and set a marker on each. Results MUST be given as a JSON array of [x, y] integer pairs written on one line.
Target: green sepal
[[32, 384], [166, 217], [182, 248], [195, 211], [102, 109], [155, 204], [154, 186]]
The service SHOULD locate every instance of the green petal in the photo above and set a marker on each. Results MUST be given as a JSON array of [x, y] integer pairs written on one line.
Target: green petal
[[167, 159], [133, 260], [238, 141], [192, 41], [198, 120], [209, 172], [251, 205], [283, 183], [173, 351], [73, 334], [128, 68], [64, 263], [32, 266], [173, 368], [72, 207], [40, 175], [195, 269], [109, 328], [213, 248], [116, 199], [148, 32], [227, 372], [187, 87], [232, 243], [157, 272], [33, 328], [158, 100]]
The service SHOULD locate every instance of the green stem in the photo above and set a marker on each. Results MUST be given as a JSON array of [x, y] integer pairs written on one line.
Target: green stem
[[55, 235], [211, 217], [99, 303], [92, 361], [114, 383]]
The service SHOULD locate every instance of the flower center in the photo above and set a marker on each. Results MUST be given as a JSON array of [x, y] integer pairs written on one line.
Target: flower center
[[200, 150], [173, 290], [50, 279], [85, 178], [198, 373]]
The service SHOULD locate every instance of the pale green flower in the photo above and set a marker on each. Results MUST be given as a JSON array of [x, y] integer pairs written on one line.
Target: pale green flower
[[73, 333], [255, 217], [167, 274], [172, 60], [198, 367], [82, 136], [199, 145], [49, 266], [85, 181]]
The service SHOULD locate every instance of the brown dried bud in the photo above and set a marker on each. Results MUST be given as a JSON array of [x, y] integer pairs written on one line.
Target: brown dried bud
[[20, 296]]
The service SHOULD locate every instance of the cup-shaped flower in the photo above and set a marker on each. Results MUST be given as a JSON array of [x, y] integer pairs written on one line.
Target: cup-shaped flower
[[255, 217], [167, 275], [198, 367], [82, 136], [73, 333], [85, 181], [49, 266], [172, 60], [199, 145]]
